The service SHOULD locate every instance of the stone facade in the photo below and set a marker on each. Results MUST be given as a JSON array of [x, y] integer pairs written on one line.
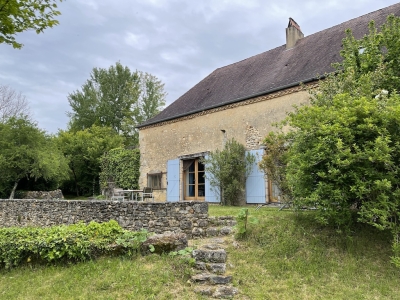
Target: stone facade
[[247, 121], [188, 217], [253, 138]]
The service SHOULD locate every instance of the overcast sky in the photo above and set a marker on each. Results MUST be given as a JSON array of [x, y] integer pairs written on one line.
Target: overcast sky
[[179, 41]]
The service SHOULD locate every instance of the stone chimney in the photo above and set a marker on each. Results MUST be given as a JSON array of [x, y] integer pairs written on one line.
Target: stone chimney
[[293, 34]]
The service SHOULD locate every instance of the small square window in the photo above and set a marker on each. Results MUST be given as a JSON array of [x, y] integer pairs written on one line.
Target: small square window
[[154, 181]]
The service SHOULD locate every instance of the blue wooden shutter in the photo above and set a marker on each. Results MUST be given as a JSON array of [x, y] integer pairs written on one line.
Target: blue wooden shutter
[[173, 180], [211, 196], [255, 183]]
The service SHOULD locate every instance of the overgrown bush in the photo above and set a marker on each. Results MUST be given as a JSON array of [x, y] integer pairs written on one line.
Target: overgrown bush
[[274, 162], [228, 170], [343, 150], [77, 242], [120, 166]]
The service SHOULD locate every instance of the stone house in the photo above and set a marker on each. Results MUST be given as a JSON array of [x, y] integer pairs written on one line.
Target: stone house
[[241, 101]]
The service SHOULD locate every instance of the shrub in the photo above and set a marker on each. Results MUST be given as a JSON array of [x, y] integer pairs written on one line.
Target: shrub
[[77, 242], [228, 171]]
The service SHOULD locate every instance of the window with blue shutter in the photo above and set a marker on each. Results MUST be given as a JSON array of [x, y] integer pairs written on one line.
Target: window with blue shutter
[[173, 180], [255, 183], [211, 195]]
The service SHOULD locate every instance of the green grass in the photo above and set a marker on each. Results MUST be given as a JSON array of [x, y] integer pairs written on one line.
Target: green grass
[[285, 256], [151, 277], [75, 197], [288, 256]]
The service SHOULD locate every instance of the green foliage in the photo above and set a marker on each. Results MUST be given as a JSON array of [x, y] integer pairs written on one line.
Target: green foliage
[[117, 98], [344, 152], [370, 65], [77, 242], [228, 171], [242, 220], [131, 240], [17, 16], [347, 156], [84, 150], [303, 260], [185, 255], [120, 166], [27, 152], [274, 162], [152, 248], [183, 252]]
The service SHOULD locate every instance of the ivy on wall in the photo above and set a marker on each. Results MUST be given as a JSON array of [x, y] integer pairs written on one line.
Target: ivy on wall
[[121, 167]]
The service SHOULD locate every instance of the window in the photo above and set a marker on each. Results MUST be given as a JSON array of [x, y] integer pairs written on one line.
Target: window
[[154, 181], [194, 182]]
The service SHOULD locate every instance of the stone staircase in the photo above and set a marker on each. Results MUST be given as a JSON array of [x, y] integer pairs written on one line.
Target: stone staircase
[[211, 279], [220, 226]]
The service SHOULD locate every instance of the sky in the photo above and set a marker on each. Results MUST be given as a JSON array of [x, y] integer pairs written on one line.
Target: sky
[[178, 41]]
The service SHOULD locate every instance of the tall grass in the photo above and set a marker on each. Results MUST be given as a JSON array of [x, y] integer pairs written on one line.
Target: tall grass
[[288, 256], [285, 256]]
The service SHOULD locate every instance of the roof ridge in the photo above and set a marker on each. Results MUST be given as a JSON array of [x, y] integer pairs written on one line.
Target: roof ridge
[[272, 69], [305, 37], [348, 21]]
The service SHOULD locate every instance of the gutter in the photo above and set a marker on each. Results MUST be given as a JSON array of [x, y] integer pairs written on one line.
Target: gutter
[[234, 101]]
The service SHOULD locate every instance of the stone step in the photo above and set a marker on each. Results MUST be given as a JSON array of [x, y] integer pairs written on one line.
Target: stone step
[[222, 221], [208, 278], [209, 255], [219, 231], [216, 268], [224, 292]]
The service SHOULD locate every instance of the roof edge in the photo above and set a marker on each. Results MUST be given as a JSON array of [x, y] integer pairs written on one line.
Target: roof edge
[[233, 101]]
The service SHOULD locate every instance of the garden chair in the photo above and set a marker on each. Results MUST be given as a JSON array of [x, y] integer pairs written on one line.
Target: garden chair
[[147, 194]]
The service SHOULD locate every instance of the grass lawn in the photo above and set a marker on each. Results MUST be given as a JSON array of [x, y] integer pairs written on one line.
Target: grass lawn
[[285, 256]]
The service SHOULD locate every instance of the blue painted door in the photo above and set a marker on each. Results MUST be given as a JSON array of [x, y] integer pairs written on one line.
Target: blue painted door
[[211, 195], [173, 180], [255, 183]]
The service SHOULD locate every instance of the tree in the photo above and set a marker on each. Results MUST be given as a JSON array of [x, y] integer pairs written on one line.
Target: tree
[[84, 150], [228, 170], [12, 104], [120, 166], [274, 162], [343, 153], [20, 15], [27, 152], [116, 98]]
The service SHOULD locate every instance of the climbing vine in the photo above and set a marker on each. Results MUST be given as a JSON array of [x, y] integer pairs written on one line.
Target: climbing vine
[[120, 166]]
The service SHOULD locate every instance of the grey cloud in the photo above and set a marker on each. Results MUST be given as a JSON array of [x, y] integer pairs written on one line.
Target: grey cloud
[[178, 41]]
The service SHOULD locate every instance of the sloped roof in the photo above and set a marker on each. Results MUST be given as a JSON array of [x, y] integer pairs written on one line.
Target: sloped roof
[[273, 70]]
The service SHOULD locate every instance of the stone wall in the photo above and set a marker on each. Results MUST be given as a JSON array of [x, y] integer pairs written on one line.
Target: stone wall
[[190, 217], [56, 194]]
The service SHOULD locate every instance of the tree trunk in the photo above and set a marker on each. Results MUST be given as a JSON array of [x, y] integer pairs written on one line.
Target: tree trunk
[[13, 190], [221, 196]]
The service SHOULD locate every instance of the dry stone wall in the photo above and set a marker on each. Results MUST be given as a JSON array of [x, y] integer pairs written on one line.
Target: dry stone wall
[[56, 194], [189, 217]]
